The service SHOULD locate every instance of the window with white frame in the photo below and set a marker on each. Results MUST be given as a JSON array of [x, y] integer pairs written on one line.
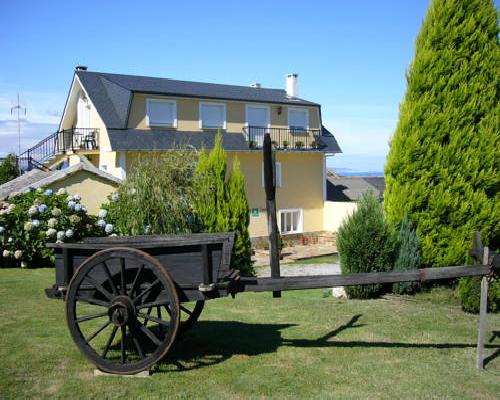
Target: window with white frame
[[298, 118], [277, 176], [161, 112], [290, 221], [212, 116]]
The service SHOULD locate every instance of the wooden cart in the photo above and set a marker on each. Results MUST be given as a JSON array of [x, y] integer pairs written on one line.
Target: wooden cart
[[127, 298]]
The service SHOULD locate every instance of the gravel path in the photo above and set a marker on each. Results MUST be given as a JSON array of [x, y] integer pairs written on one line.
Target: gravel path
[[302, 269]]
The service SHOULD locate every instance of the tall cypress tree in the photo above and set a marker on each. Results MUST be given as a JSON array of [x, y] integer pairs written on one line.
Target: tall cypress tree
[[221, 205], [239, 220], [210, 197], [443, 164]]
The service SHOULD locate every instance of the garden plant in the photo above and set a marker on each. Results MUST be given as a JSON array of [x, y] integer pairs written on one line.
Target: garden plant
[[30, 220], [365, 244]]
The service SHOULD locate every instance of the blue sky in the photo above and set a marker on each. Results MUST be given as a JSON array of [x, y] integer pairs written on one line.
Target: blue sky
[[350, 56]]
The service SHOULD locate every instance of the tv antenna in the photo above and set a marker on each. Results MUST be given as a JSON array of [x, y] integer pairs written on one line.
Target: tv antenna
[[20, 109]]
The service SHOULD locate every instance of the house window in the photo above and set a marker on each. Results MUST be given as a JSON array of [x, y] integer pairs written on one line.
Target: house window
[[278, 174], [161, 112], [290, 221], [212, 116], [298, 118]]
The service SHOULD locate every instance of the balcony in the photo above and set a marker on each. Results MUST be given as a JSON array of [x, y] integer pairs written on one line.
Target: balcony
[[284, 138], [77, 139], [74, 139]]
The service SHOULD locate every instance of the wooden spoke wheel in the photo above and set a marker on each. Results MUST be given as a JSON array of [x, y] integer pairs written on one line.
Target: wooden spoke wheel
[[122, 310], [190, 312]]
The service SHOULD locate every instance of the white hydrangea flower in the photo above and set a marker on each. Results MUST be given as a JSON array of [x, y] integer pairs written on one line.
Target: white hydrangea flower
[[35, 223], [39, 190], [18, 254], [108, 228], [56, 212], [24, 264], [50, 232], [101, 223], [74, 219], [115, 196], [6, 253], [32, 211], [11, 208], [60, 235], [10, 240], [61, 191], [103, 214], [28, 226], [49, 192], [2, 229], [69, 233], [52, 223]]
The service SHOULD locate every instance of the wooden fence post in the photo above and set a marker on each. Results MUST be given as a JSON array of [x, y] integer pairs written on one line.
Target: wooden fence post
[[483, 306]]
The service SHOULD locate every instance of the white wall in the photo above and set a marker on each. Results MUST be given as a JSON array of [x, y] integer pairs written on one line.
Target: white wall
[[335, 212]]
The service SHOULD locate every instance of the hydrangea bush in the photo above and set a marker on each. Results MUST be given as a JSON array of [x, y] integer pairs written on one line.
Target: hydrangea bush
[[30, 220]]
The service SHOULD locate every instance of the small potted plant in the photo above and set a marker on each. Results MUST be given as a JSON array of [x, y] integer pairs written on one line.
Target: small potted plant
[[315, 144], [274, 143], [252, 144], [299, 145], [285, 144]]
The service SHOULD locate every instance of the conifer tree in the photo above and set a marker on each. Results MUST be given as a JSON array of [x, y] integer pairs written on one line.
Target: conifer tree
[[221, 205], [239, 220], [408, 255], [443, 164], [210, 196]]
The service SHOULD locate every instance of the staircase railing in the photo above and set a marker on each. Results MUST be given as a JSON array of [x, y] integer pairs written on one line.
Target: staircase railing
[[58, 143]]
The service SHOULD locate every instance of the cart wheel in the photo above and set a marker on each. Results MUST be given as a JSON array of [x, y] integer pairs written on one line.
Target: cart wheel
[[190, 312], [127, 291]]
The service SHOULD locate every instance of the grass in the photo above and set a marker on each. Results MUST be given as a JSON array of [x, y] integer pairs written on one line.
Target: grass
[[301, 346]]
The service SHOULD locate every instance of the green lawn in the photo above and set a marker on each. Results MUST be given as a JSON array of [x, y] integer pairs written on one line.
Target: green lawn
[[301, 346]]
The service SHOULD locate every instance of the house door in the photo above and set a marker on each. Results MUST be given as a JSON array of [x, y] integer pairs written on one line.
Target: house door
[[258, 122]]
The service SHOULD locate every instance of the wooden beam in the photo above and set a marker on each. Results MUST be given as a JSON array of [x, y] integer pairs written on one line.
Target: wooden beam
[[272, 224], [328, 281], [483, 308]]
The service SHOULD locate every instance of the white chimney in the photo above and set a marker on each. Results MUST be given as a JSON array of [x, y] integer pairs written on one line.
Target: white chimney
[[255, 85], [292, 85]]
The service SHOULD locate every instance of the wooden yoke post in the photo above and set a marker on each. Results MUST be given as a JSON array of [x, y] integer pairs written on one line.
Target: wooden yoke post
[[272, 224], [483, 308]]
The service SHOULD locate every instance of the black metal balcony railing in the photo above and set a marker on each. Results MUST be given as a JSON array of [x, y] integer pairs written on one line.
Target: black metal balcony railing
[[284, 138], [60, 142]]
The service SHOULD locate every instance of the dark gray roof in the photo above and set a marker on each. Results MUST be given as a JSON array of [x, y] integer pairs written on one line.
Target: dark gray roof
[[331, 144], [353, 187], [164, 139], [111, 93]]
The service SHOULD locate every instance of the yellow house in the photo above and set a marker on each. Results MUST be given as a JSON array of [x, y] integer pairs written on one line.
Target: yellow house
[[110, 118]]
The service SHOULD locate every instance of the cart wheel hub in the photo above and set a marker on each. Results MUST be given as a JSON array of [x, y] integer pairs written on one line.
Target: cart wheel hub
[[121, 311]]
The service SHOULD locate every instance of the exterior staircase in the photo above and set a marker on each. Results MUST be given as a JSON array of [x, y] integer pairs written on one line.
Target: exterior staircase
[[52, 149]]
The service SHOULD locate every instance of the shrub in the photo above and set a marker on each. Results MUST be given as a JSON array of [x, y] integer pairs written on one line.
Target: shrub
[[8, 169], [408, 255], [154, 199], [442, 167], [365, 244], [469, 293], [30, 220]]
